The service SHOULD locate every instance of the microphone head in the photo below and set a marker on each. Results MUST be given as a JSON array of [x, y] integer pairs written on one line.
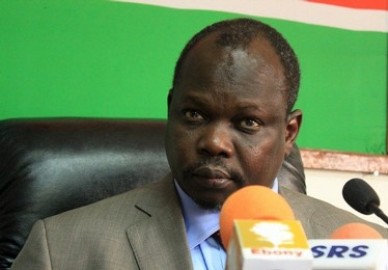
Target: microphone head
[[355, 231], [252, 202], [360, 196]]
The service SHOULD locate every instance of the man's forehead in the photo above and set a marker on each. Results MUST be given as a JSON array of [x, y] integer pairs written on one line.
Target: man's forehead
[[258, 48], [237, 63]]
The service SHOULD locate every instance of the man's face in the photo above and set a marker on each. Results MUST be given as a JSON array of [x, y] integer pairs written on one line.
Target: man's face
[[227, 125]]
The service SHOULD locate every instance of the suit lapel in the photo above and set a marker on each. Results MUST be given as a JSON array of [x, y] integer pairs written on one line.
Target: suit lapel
[[159, 242]]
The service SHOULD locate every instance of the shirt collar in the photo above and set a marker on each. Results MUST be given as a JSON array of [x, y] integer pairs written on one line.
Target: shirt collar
[[201, 223]]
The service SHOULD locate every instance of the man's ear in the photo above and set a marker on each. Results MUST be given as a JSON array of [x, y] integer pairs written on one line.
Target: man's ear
[[294, 121], [169, 99]]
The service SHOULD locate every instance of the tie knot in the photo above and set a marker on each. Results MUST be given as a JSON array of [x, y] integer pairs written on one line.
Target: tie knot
[[217, 237]]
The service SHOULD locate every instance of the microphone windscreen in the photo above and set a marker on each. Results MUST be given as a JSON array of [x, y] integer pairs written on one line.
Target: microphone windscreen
[[355, 231], [360, 196], [252, 202]]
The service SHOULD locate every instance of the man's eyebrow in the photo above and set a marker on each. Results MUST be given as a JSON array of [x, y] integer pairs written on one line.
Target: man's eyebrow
[[249, 106], [199, 101]]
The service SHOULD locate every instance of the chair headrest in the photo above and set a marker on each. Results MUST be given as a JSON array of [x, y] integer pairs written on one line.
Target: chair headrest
[[49, 166]]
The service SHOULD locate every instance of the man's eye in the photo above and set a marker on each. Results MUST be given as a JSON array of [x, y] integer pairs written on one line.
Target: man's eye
[[249, 124], [193, 115]]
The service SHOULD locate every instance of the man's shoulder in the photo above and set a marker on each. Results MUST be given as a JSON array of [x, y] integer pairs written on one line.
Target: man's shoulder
[[320, 218], [120, 208]]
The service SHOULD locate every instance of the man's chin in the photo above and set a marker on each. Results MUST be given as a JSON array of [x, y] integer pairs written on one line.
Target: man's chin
[[208, 205]]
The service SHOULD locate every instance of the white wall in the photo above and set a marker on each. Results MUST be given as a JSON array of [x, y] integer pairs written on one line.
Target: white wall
[[327, 185]]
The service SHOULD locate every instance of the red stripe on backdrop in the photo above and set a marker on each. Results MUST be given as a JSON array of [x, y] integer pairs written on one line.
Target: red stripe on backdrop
[[362, 4]]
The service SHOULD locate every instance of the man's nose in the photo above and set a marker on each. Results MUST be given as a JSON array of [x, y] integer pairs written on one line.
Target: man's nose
[[216, 140]]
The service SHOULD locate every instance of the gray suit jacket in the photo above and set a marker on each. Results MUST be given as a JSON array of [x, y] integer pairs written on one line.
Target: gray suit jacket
[[142, 229]]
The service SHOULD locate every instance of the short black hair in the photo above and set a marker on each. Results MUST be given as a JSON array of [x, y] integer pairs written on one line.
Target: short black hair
[[240, 33]]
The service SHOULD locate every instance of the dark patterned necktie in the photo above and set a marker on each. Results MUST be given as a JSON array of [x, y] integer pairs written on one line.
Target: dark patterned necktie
[[217, 237]]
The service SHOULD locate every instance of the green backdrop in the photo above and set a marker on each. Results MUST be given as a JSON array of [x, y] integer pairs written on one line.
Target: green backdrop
[[108, 59]]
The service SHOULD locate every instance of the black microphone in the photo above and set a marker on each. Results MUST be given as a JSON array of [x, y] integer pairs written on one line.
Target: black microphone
[[362, 198]]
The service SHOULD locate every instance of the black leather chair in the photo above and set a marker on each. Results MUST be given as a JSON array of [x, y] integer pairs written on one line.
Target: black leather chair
[[48, 166]]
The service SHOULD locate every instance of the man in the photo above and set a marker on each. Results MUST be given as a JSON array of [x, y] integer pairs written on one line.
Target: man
[[230, 124]]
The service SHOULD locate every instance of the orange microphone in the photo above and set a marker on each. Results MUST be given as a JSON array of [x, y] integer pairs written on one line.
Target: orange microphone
[[252, 202], [355, 231], [353, 246], [259, 231]]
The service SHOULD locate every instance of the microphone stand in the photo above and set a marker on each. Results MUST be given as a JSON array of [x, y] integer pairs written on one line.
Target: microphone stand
[[378, 212]]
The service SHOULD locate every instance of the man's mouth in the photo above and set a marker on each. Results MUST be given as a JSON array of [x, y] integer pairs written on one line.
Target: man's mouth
[[212, 177]]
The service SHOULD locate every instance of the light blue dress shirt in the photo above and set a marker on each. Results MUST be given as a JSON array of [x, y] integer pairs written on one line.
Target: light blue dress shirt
[[200, 224]]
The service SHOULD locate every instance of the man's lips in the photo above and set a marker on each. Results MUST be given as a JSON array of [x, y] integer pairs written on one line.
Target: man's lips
[[209, 177]]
